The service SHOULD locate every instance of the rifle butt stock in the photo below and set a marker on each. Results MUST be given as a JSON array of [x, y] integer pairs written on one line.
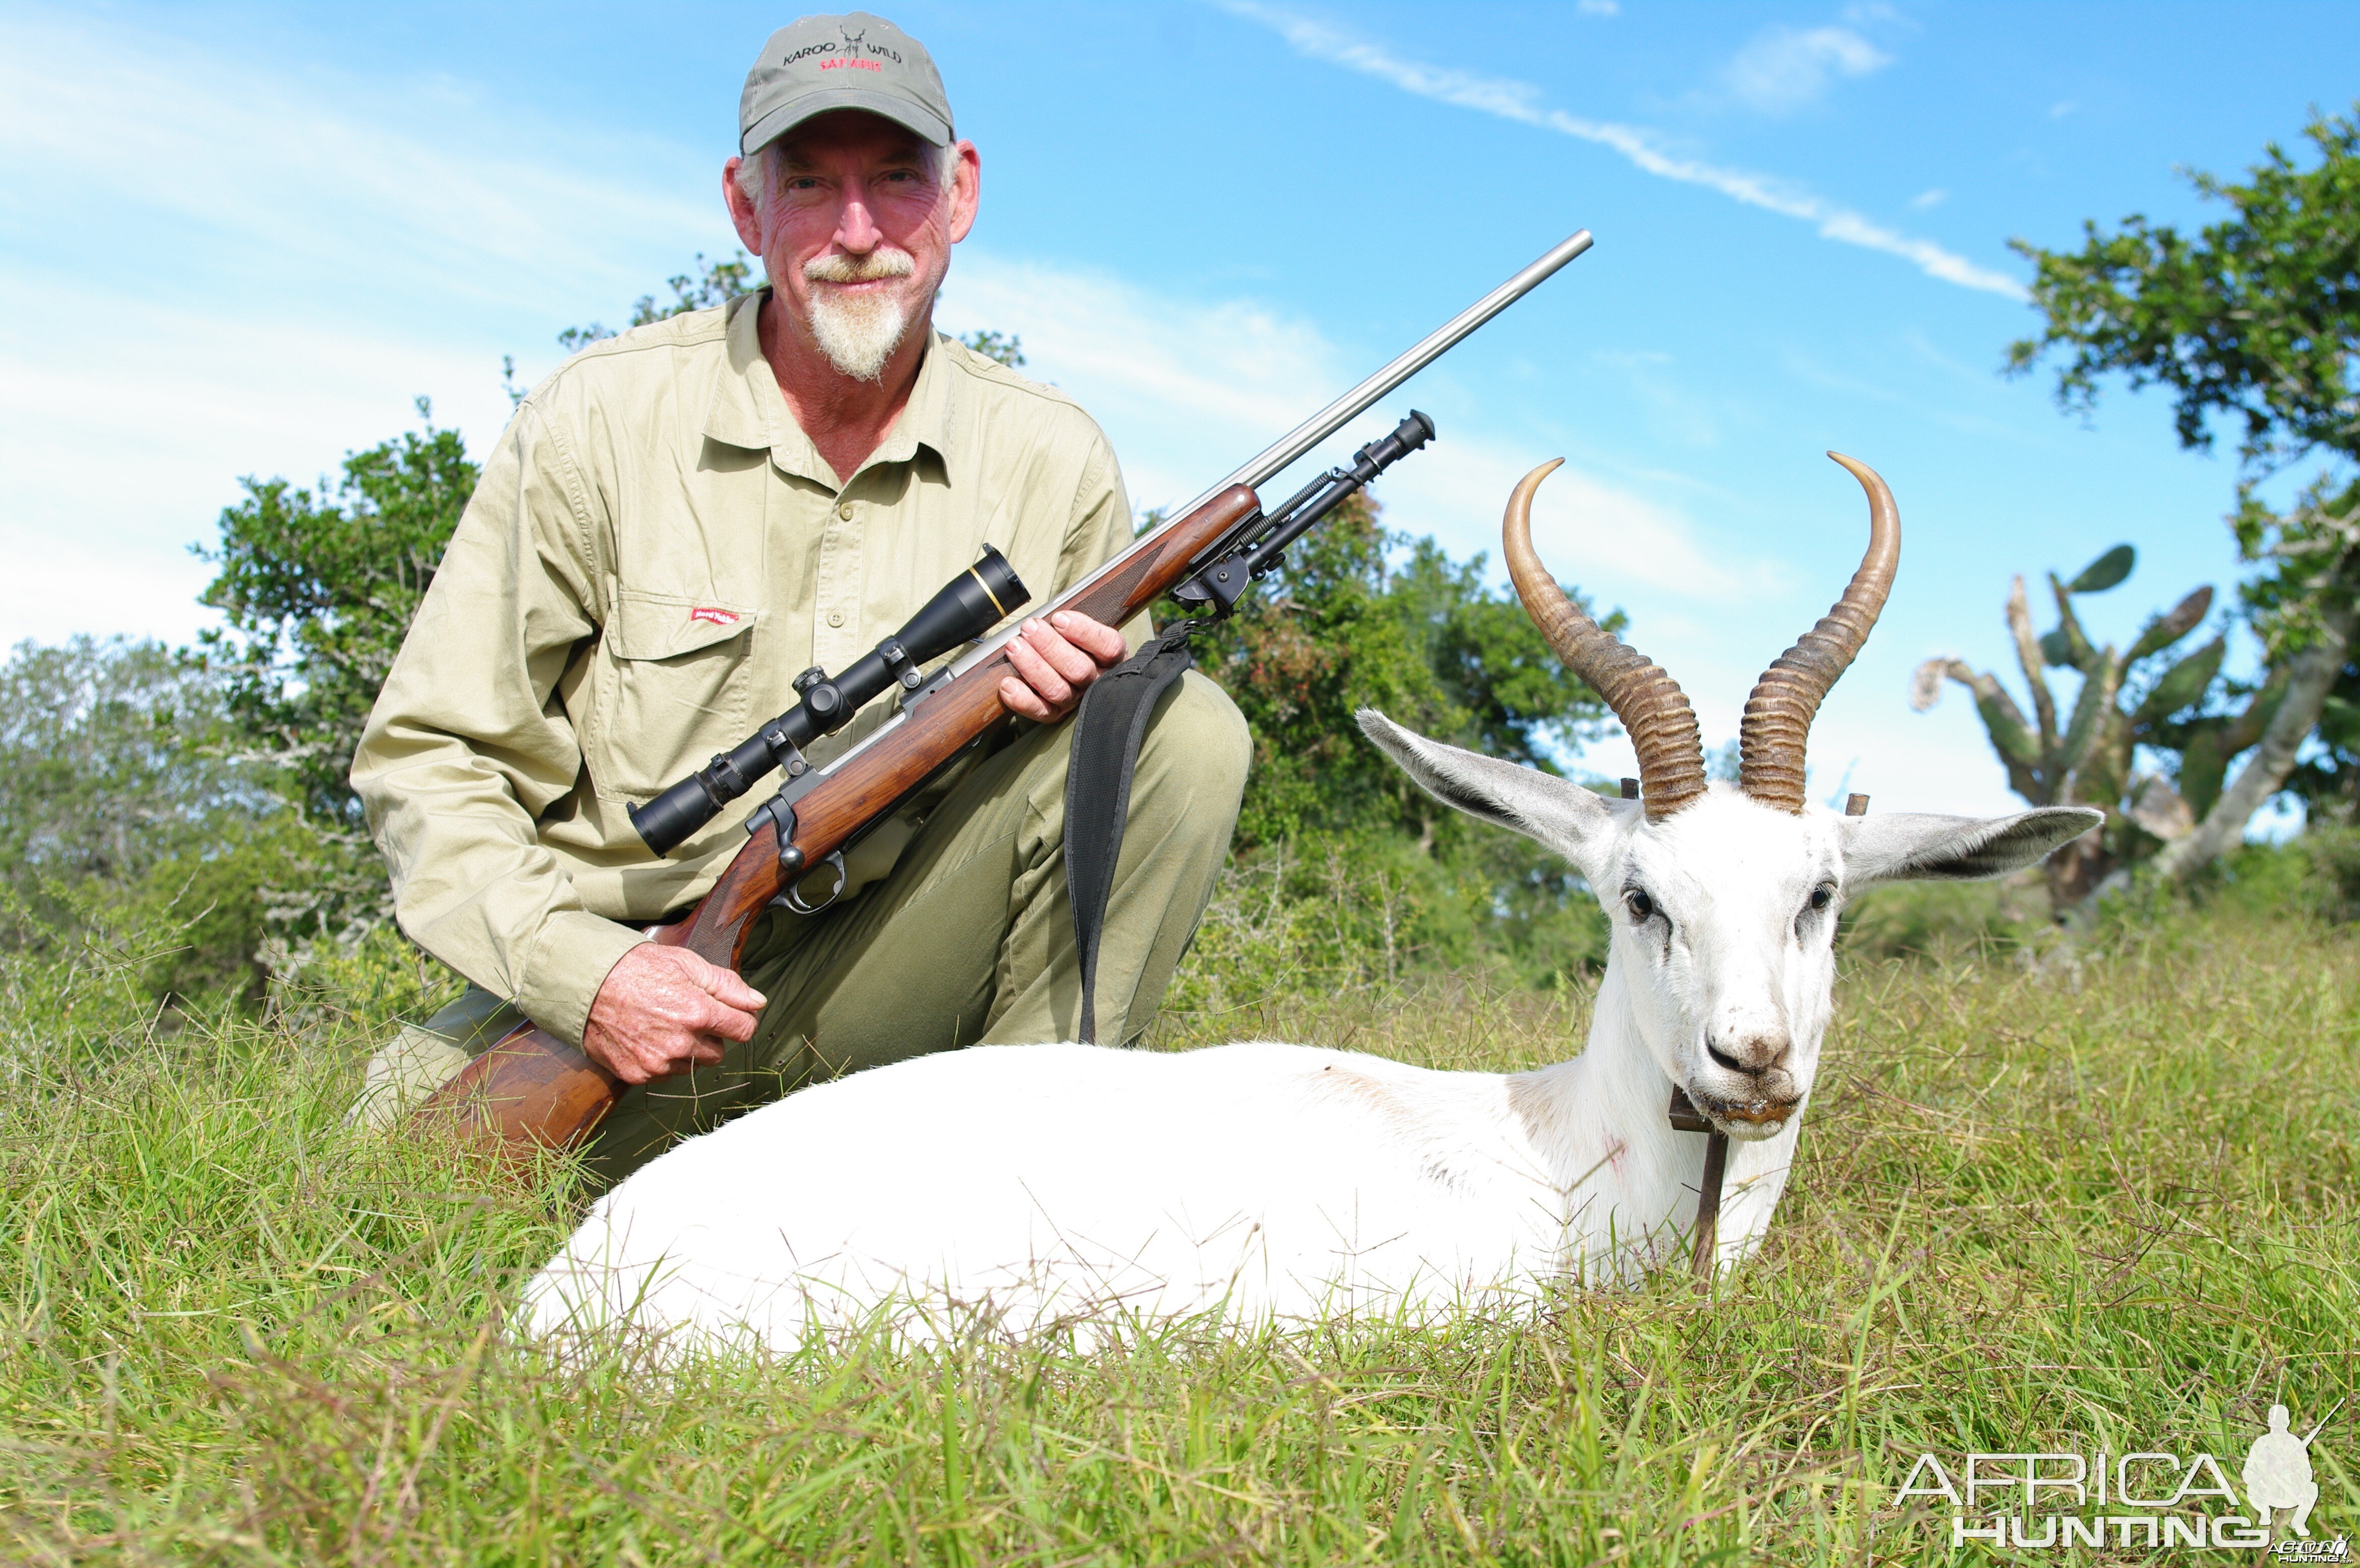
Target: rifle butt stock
[[528, 1091]]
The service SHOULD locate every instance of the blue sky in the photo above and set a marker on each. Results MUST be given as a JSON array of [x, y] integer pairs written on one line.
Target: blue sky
[[239, 239]]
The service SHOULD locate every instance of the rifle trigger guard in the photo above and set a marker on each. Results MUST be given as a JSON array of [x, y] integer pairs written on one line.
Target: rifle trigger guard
[[793, 899]]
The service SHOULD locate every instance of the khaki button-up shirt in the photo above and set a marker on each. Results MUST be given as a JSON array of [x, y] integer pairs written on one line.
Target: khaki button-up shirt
[[654, 551]]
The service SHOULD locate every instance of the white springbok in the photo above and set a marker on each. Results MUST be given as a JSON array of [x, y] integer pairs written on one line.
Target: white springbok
[[1051, 1183]]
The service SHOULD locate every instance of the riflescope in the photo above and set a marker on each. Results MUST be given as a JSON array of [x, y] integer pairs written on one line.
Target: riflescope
[[968, 606]]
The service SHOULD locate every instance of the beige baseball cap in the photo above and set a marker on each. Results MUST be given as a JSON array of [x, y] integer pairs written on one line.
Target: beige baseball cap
[[852, 61]]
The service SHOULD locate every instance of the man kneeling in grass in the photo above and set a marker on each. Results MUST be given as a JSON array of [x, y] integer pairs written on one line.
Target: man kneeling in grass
[[675, 523]]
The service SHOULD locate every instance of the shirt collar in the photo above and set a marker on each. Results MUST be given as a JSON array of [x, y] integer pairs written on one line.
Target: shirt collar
[[746, 409]]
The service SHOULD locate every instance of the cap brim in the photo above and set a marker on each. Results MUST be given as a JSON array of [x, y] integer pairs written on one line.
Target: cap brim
[[928, 128]]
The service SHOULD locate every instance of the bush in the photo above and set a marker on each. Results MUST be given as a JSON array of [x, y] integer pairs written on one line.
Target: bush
[[1369, 914], [1945, 919], [2332, 861]]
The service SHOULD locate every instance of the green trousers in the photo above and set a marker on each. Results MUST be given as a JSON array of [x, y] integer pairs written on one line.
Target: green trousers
[[969, 938]]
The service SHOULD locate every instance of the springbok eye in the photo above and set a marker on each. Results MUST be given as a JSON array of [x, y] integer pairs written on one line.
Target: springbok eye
[[1641, 907], [1822, 895]]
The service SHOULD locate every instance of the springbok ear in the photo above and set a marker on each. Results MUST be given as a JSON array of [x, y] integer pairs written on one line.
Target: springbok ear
[[1907, 846], [1558, 812]]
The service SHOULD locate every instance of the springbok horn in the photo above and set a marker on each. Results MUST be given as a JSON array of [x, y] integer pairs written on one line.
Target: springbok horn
[[1650, 704], [1777, 725]]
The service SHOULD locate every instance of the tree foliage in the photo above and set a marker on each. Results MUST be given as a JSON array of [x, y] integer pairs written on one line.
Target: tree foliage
[[2253, 321], [713, 283], [2256, 318], [1335, 837], [1359, 617], [111, 762], [316, 589]]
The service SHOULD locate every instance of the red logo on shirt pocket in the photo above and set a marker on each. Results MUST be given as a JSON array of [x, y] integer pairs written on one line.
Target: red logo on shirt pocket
[[718, 617]]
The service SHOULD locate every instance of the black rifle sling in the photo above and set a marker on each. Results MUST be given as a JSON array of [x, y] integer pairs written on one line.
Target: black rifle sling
[[1107, 734]]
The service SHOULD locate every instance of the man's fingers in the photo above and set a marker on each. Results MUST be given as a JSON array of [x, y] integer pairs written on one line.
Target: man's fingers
[[1019, 699], [1096, 638], [1037, 673], [725, 1022], [729, 988], [1075, 666]]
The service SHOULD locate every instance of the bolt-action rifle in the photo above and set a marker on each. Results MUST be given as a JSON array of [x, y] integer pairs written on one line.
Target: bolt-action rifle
[[532, 1087]]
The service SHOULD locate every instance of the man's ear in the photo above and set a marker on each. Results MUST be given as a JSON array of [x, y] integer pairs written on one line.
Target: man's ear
[[1906, 846], [1558, 812]]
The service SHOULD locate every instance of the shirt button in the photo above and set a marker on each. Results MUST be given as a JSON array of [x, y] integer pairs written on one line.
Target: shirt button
[[835, 618], [845, 511]]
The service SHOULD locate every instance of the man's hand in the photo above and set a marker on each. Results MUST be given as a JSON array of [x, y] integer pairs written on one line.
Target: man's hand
[[663, 1010], [1056, 658]]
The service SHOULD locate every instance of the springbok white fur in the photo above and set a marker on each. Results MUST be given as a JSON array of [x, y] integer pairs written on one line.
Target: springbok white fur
[[1059, 1182]]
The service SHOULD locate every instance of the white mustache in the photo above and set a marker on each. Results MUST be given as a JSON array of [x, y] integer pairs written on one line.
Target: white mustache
[[884, 262]]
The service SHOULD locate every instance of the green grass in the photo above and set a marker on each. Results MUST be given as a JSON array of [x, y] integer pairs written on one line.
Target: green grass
[[2058, 1207]]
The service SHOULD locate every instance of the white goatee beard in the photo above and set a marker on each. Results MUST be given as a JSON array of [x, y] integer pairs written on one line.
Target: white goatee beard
[[858, 333]]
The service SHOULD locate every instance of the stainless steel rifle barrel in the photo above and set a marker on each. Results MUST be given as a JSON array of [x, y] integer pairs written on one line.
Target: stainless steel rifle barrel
[[1433, 346]]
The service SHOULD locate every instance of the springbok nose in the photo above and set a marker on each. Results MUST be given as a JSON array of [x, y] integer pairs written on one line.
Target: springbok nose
[[1752, 1052]]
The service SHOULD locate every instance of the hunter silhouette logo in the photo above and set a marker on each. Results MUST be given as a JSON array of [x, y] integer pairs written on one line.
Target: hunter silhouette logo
[[2277, 1476]]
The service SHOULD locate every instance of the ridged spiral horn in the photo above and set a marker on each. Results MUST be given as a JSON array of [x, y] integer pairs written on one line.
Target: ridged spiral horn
[[1776, 729], [1650, 704]]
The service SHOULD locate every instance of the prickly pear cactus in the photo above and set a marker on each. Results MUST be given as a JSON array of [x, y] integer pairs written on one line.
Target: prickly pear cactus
[[2143, 695]]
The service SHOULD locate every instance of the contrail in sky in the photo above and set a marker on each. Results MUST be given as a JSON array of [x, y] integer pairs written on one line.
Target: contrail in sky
[[1520, 102]]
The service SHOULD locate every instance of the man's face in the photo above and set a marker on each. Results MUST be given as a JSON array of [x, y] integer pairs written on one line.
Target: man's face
[[856, 232]]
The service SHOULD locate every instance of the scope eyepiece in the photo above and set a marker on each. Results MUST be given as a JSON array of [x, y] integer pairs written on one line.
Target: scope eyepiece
[[672, 818]]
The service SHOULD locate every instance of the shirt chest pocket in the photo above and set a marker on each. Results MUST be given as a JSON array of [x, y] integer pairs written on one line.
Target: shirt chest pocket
[[675, 678]]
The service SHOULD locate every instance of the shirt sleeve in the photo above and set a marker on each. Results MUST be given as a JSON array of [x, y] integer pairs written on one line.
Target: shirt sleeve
[[469, 743]]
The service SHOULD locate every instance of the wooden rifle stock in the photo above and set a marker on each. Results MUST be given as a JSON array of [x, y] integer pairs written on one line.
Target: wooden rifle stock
[[532, 1090]]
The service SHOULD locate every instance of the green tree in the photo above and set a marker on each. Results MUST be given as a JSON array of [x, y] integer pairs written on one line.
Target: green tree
[[1360, 616], [111, 762], [316, 589], [1006, 347], [2254, 322], [1363, 615], [122, 812]]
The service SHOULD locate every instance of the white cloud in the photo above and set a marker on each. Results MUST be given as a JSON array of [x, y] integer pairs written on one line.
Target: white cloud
[[402, 183], [1599, 7], [1521, 101], [1927, 200], [290, 258], [1784, 69]]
